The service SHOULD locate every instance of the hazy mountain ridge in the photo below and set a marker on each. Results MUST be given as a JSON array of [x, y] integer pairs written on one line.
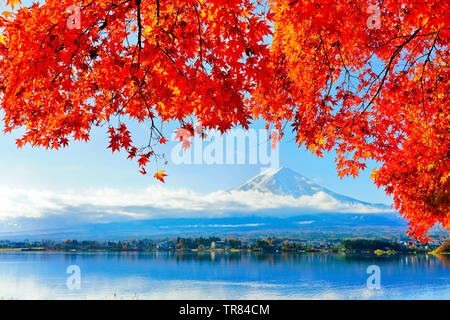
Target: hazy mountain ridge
[[339, 225]]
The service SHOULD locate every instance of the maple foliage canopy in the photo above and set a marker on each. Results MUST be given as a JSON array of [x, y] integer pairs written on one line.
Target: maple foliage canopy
[[369, 80]]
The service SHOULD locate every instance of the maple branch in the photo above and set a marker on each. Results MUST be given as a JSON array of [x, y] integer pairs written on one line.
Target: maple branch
[[399, 37], [411, 55], [427, 60], [139, 22], [200, 39], [329, 66], [387, 68], [157, 12], [442, 57], [172, 60], [348, 73], [150, 113]]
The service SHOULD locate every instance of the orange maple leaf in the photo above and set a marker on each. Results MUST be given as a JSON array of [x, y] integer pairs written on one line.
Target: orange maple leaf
[[160, 175], [12, 3]]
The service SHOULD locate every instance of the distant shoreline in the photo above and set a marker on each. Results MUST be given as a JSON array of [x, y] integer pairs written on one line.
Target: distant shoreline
[[375, 252], [231, 245]]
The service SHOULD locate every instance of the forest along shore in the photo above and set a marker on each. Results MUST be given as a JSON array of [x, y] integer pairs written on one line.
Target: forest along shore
[[231, 244]]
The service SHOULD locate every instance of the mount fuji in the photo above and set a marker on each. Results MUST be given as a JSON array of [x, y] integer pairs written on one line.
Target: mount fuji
[[286, 182], [277, 202]]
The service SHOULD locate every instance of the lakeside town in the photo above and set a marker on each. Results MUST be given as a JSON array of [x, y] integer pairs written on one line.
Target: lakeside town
[[231, 244]]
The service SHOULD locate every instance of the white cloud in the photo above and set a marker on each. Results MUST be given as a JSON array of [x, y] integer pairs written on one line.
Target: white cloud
[[305, 222], [158, 201]]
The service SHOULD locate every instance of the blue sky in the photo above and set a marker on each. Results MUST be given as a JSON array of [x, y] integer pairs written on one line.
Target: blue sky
[[90, 164], [84, 165], [86, 184], [40, 183]]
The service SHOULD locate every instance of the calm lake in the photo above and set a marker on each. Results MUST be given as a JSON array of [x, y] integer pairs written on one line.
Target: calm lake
[[128, 275]]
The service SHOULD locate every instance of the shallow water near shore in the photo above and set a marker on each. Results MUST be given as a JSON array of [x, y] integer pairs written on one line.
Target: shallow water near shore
[[214, 275]]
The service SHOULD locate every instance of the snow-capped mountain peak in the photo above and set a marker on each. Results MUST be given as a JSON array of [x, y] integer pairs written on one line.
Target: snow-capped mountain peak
[[281, 181], [286, 182]]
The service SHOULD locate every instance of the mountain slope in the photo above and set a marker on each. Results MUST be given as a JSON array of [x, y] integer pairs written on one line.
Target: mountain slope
[[286, 182]]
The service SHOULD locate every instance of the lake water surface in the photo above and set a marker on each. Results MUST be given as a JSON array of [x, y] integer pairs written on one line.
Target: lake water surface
[[128, 275]]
